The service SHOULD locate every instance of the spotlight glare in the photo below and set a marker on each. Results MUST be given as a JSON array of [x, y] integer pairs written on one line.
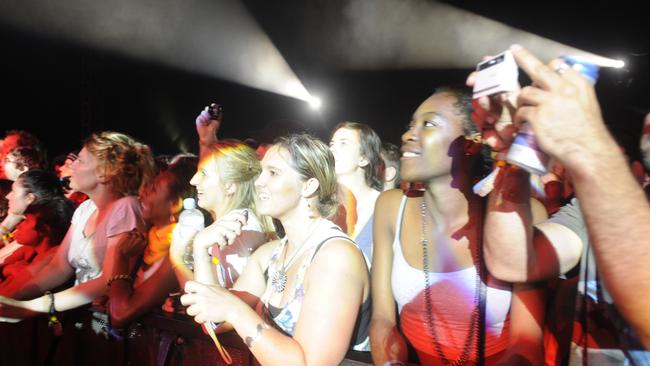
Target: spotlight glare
[[315, 102]]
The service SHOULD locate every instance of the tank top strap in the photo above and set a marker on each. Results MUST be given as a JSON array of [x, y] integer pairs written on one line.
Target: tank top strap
[[400, 215]]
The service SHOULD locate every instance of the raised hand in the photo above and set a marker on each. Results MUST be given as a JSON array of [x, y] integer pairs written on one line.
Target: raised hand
[[132, 244], [563, 110], [492, 114], [222, 232], [207, 128]]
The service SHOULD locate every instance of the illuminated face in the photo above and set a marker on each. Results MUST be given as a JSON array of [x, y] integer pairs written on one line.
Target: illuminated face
[[9, 143], [19, 198], [157, 207], [66, 168], [26, 231], [11, 169], [346, 148], [427, 150], [210, 193], [84, 176], [279, 185]]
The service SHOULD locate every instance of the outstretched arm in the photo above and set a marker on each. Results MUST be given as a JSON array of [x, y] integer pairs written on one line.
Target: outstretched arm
[[80, 294], [566, 117]]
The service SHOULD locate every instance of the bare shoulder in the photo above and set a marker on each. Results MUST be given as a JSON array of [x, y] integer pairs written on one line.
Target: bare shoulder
[[390, 197], [262, 255], [340, 253], [388, 203]]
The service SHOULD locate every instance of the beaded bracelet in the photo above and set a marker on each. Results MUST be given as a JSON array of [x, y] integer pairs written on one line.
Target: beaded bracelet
[[4, 230], [119, 277], [53, 320]]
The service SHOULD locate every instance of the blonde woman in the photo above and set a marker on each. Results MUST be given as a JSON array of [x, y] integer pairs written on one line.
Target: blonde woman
[[225, 188], [110, 170], [282, 305]]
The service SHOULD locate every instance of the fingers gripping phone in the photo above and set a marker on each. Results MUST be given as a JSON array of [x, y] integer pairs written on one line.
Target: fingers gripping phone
[[496, 75], [215, 111]]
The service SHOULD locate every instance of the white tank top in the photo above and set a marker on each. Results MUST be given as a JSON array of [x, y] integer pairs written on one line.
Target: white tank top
[[452, 300]]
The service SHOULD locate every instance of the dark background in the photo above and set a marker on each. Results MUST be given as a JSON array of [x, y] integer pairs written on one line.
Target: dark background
[[62, 92]]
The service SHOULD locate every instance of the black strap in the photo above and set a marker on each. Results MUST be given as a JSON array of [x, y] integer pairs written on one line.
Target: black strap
[[482, 300], [481, 316]]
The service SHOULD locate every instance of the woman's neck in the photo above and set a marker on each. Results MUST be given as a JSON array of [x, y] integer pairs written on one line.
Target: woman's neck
[[448, 205], [357, 185], [298, 226], [43, 246], [103, 198]]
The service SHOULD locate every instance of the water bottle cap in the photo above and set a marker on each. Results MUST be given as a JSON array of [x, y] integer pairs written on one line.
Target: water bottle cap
[[586, 68], [189, 203]]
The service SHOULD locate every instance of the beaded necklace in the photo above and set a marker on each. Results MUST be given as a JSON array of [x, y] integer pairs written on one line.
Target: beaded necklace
[[475, 318]]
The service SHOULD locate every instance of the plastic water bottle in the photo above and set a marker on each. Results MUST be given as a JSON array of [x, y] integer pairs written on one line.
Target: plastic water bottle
[[524, 151], [190, 222]]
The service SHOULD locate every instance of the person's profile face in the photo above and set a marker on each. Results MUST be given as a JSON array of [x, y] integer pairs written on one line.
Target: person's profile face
[[346, 148], [209, 187], [427, 145], [279, 185], [26, 232], [157, 207], [84, 172], [19, 198]]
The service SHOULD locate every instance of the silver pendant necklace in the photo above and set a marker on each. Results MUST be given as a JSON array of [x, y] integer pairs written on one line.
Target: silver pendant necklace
[[279, 277]]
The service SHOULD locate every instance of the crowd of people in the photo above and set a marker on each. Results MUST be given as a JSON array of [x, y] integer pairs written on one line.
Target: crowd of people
[[310, 251]]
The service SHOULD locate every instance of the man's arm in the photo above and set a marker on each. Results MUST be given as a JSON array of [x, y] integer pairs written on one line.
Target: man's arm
[[565, 114]]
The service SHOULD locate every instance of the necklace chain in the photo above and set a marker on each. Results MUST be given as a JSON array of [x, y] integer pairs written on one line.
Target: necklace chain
[[474, 320], [279, 278]]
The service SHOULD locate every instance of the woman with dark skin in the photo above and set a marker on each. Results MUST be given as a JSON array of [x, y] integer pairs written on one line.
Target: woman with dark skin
[[427, 266], [155, 279]]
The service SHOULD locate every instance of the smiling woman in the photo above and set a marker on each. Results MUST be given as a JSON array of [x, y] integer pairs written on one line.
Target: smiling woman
[[292, 282], [429, 244], [224, 185]]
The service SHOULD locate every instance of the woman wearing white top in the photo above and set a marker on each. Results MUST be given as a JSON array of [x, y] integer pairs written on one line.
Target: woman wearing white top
[[110, 170]]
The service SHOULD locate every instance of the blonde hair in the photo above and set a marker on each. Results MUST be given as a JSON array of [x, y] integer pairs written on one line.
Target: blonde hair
[[311, 158], [237, 163], [125, 162]]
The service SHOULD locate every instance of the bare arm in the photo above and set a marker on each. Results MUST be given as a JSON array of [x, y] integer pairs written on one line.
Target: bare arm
[[227, 230], [83, 293], [56, 273], [319, 322], [566, 117], [207, 130], [387, 343], [127, 303], [527, 313], [515, 250]]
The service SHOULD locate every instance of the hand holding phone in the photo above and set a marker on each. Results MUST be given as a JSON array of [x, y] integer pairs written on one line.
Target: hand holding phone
[[496, 75]]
